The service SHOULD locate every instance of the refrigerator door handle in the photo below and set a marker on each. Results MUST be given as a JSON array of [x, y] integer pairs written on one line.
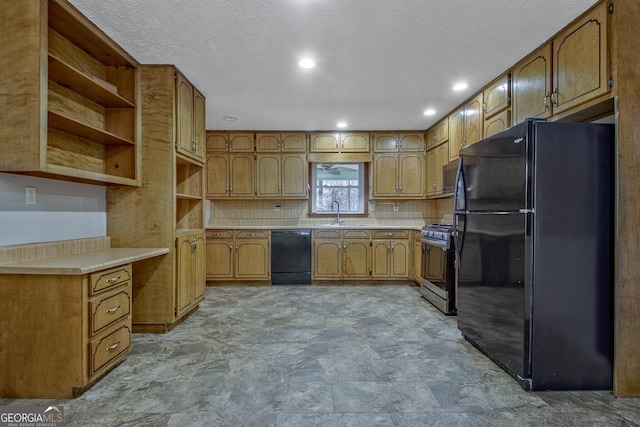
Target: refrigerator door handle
[[526, 211], [456, 196]]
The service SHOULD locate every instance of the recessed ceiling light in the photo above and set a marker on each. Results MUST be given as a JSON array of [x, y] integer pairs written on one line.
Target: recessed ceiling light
[[342, 124], [459, 86], [429, 112], [307, 63], [229, 118]]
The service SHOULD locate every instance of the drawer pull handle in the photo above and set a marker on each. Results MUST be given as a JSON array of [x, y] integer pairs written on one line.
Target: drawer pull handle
[[113, 347], [112, 310], [113, 279], [251, 234]]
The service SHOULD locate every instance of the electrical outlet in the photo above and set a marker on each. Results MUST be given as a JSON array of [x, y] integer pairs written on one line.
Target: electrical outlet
[[395, 207], [277, 208], [31, 195]]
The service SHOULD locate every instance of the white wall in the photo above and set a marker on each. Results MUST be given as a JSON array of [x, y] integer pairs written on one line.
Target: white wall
[[63, 210]]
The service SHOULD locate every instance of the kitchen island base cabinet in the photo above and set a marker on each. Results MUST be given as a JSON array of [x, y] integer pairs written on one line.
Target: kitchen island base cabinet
[[62, 332]]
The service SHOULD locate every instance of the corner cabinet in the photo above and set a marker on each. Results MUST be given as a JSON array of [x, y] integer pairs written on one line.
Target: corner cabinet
[[69, 97], [168, 209]]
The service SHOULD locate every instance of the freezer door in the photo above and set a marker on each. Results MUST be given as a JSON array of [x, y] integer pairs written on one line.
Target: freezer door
[[496, 171], [491, 287]]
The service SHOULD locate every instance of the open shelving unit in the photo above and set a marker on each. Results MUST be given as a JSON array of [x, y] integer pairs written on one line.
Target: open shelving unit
[[69, 98]]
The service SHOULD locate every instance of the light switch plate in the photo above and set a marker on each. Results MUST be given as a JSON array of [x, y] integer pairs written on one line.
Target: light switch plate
[[31, 195]]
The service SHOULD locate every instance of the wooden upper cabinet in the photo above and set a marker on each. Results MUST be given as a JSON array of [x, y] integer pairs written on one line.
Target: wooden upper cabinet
[[456, 133], [190, 120], [497, 96], [473, 121], [398, 141], [230, 141], [497, 123], [281, 142], [230, 175], [442, 131], [580, 60], [532, 86], [339, 142], [281, 175], [398, 175]]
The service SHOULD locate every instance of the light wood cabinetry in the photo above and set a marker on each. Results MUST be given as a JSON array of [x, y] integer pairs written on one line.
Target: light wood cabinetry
[[438, 134], [339, 142], [466, 126], [581, 61], [243, 255], [437, 157], [167, 211], [395, 142], [62, 340], [390, 254], [230, 175], [400, 175], [417, 256], [69, 97], [190, 122], [281, 165], [230, 141], [497, 105], [341, 254], [571, 71]]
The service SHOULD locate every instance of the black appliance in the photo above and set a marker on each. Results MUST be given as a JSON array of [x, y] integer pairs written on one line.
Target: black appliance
[[290, 257], [449, 174], [438, 281], [534, 217]]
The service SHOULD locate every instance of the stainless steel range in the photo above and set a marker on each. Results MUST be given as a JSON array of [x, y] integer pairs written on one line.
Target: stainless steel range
[[438, 276]]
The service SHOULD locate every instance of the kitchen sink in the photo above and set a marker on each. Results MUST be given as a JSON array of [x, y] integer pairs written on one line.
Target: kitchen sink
[[339, 225]]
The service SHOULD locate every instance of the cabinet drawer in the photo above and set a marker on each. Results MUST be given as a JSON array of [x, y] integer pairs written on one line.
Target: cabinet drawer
[[104, 350], [220, 234], [252, 234], [357, 234], [327, 234], [391, 234], [109, 278], [109, 309]]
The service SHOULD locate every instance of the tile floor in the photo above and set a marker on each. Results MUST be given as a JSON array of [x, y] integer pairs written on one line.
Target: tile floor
[[323, 356]]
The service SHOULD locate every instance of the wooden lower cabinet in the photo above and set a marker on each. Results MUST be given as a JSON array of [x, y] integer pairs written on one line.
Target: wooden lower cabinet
[[390, 254], [238, 255], [57, 342], [190, 261], [417, 256], [341, 254]]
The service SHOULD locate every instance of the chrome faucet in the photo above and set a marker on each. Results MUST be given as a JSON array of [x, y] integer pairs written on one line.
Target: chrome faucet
[[338, 217]]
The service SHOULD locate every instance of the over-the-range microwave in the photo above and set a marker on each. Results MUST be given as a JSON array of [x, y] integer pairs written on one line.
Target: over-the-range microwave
[[449, 172]]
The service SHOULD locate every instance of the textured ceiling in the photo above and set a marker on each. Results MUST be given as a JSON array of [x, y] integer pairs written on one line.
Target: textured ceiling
[[380, 63]]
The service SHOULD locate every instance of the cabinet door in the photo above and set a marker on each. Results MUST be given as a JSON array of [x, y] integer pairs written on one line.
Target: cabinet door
[[411, 141], [267, 142], [241, 178], [432, 178], [580, 61], [326, 259], [217, 141], [442, 131], [532, 86], [219, 259], [184, 116], [356, 259], [294, 175], [411, 175], [417, 259], [399, 260], [497, 123], [217, 175], [199, 283], [497, 96], [184, 274], [473, 121], [199, 126], [295, 142], [442, 158], [268, 175], [456, 133], [355, 142], [380, 259], [385, 142], [385, 175], [430, 138], [252, 260], [324, 142], [241, 142]]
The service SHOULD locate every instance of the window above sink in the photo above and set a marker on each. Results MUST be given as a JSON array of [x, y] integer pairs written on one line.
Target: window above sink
[[338, 182]]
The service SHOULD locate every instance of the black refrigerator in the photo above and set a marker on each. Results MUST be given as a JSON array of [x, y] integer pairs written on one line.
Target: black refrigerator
[[533, 211]]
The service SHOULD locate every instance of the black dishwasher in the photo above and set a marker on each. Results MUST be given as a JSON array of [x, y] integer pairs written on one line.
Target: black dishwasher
[[291, 257]]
